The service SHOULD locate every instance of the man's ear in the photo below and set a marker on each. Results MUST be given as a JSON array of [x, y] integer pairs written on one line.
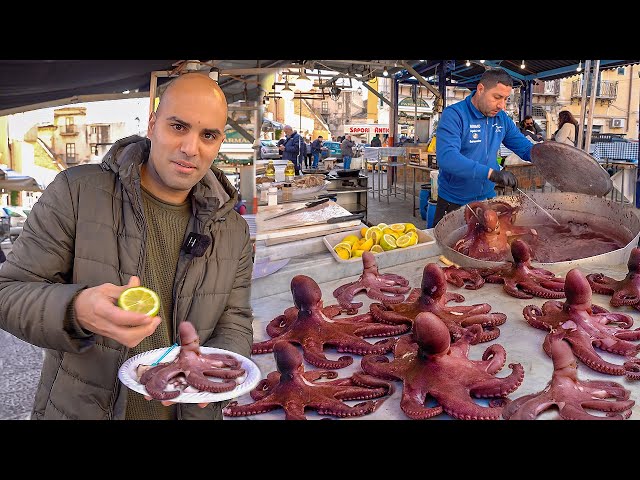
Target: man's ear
[[152, 122]]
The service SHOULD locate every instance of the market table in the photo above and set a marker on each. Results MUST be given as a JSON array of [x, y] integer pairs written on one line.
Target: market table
[[523, 343]]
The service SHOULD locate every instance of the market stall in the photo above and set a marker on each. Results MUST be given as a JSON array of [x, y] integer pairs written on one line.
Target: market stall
[[522, 342]]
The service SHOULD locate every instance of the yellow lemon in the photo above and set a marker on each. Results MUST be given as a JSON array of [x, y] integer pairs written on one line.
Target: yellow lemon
[[343, 253], [382, 226], [409, 227], [397, 227], [389, 231], [141, 300], [388, 242], [375, 233], [357, 253], [350, 239], [344, 245], [363, 231], [414, 238], [366, 246], [377, 249], [403, 241]]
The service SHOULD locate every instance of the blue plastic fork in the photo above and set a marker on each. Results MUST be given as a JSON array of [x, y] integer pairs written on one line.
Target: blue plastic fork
[[164, 354]]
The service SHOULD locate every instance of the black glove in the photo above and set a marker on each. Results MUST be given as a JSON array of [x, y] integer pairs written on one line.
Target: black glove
[[504, 178]]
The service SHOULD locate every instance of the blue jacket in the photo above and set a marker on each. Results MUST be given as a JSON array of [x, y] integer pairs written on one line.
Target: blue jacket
[[467, 148], [294, 148]]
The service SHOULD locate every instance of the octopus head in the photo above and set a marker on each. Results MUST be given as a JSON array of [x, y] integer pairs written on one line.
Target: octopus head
[[490, 221], [288, 358], [634, 261], [434, 283], [189, 339], [431, 334], [306, 293], [521, 251], [368, 260], [577, 288]]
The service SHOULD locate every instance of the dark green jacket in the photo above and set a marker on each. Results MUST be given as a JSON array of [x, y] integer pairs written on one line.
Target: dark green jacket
[[88, 228]]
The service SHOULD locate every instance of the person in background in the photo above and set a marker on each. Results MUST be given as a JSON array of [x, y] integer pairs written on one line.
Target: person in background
[[316, 150], [308, 153], [469, 135], [375, 141], [347, 151], [293, 148], [530, 129], [130, 221], [567, 131]]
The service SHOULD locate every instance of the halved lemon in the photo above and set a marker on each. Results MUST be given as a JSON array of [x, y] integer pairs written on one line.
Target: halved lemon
[[409, 227], [357, 253], [397, 227], [403, 241], [388, 242], [375, 233], [390, 231], [344, 245], [140, 300], [350, 239], [414, 238], [377, 249], [366, 246], [382, 226], [343, 253]]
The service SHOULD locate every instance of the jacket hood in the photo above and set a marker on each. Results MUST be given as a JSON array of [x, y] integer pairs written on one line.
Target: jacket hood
[[213, 196]]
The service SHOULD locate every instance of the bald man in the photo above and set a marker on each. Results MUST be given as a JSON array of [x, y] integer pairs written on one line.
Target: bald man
[[155, 213]]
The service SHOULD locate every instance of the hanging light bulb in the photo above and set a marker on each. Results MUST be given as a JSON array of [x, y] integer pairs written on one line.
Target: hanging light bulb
[[468, 64], [579, 69], [303, 82], [481, 61], [286, 93], [385, 72], [522, 65]]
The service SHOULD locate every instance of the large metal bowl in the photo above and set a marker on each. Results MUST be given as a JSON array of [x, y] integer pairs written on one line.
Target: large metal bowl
[[564, 207]]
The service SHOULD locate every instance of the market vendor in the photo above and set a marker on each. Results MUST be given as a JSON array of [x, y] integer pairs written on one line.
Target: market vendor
[[469, 135]]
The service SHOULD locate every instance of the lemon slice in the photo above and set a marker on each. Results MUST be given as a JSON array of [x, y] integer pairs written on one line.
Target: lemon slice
[[366, 246], [357, 253], [403, 241], [382, 226], [414, 238], [377, 249], [388, 242], [140, 300]]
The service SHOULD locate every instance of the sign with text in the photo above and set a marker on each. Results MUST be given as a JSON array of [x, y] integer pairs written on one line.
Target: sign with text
[[371, 128]]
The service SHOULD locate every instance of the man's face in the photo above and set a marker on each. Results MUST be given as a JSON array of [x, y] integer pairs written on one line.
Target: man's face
[[491, 101], [288, 131], [186, 134], [528, 123]]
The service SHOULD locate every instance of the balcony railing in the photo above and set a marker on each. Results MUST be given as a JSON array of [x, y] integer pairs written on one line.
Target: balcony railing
[[605, 90], [547, 87], [68, 129]]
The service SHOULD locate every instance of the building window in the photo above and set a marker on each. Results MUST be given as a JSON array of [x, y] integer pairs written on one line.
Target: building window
[[71, 152], [324, 107], [621, 71], [69, 126]]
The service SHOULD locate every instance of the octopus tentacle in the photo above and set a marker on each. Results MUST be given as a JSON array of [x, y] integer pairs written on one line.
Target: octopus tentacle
[[469, 277], [201, 382], [500, 387], [412, 405]]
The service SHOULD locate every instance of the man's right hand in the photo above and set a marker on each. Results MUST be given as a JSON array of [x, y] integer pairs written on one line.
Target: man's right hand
[[96, 311], [504, 178]]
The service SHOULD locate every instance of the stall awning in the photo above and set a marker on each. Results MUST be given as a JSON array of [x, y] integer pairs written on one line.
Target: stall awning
[[10, 180]]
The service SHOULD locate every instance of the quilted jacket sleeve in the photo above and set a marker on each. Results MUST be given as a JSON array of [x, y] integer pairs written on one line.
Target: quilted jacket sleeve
[[35, 288], [234, 330]]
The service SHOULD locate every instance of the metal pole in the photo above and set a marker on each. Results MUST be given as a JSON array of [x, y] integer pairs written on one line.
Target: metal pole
[[592, 103], [583, 102]]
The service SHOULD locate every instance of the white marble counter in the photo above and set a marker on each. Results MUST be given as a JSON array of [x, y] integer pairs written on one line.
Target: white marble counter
[[522, 342]]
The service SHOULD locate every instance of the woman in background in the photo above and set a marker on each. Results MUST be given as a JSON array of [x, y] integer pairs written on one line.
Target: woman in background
[[567, 129]]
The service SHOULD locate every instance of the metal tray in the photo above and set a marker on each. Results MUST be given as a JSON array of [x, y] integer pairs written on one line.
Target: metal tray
[[332, 240]]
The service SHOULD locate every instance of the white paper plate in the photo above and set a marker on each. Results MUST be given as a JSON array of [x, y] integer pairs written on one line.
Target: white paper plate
[[127, 375]]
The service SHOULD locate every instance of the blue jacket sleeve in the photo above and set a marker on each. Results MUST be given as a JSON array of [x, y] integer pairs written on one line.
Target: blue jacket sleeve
[[449, 135], [515, 141], [292, 146]]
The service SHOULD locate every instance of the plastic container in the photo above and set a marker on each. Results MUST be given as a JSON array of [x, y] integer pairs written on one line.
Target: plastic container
[[425, 193], [434, 184], [287, 192], [272, 196], [270, 170], [289, 172], [431, 213]]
